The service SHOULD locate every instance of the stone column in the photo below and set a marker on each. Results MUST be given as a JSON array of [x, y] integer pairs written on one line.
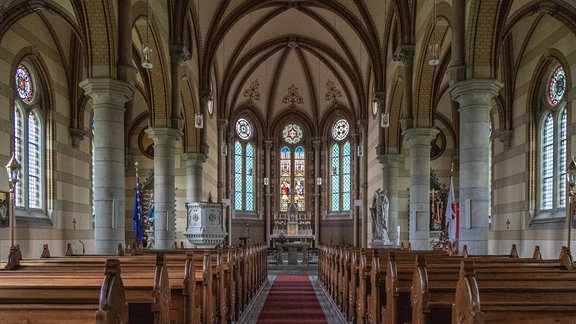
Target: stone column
[[178, 53], [164, 187], [267, 194], [362, 186], [390, 166], [223, 175], [405, 54], [419, 140], [108, 99], [317, 189], [474, 97], [194, 164]]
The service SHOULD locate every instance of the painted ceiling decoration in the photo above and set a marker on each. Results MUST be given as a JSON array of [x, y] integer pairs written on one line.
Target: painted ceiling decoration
[[332, 92], [252, 91], [292, 97]]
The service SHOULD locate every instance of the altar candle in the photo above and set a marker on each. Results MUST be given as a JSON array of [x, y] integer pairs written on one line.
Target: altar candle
[[398, 235]]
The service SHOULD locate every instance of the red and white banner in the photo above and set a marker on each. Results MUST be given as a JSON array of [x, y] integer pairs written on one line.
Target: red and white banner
[[452, 215]]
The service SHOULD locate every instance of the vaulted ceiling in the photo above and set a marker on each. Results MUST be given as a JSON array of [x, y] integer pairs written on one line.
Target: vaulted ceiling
[[278, 57]]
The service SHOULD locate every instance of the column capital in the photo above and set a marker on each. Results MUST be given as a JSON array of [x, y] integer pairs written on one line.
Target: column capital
[[179, 53], [222, 123], [475, 91], [268, 144], [193, 159], [317, 145], [505, 136], [391, 160], [420, 135], [106, 90], [362, 125], [76, 135], [405, 54], [163, 135]]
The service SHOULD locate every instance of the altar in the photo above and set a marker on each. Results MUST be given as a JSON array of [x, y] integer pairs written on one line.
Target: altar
[[292, 249], [295, 238]]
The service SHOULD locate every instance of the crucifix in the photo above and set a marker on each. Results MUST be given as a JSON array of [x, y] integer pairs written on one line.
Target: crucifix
[[508, 224], [74, 223]]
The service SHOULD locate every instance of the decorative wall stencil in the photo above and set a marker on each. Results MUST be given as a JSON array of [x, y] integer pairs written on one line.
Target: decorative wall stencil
[[292, 96], [252, 91], [332, 92]]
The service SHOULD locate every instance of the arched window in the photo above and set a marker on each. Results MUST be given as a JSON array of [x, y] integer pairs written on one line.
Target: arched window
[[28, 141], [244, 167], [552, 153], [340, 175], [292, 169]]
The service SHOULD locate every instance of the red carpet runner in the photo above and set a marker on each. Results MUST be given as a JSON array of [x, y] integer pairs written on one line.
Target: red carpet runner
[[291, 300]]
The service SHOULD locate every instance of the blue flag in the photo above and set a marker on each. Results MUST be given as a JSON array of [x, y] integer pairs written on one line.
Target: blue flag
[[137, 212]]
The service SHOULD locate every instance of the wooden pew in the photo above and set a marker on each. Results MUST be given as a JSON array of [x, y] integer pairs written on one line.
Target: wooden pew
[[53, 300], [393, 279], [146, 282], [527, 299], [434, 283], [186, 278]]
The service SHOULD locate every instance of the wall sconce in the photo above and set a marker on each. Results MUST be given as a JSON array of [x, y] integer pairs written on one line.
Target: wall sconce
[[434, 49], [13, 169], [359, 151], [385, 120], [266, 181], [146, 60], [207, 101], [318, 181], [198, 120], [147, 57], [377, 101]]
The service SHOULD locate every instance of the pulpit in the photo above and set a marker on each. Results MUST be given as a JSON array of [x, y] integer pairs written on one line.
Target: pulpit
[[205, 224]]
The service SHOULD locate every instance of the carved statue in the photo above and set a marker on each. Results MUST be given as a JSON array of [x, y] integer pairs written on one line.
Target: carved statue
[[379, 209]]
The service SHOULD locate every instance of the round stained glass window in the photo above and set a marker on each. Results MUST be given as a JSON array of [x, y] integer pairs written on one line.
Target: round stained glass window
[[243, 129], [24, 84], [340, 129], [292, 133], [557, 86]]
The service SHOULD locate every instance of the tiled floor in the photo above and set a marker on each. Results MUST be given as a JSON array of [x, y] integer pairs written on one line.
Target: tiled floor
[[332, 313]]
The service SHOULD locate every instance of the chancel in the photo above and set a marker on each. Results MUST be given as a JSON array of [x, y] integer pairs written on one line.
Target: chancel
[[197, 160]]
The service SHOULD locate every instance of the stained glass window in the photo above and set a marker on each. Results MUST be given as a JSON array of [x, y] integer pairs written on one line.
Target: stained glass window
[[562, 157], [250, 174], [346, 176], [285, 177], [335, 177], [28, 142], [292, 133], [238, 175], [557, 86], [548, 162], [244, 129], [244, 176], [33, 162], [340, 129], [340, 176], [24, 85], [299, 182], [19, 139], [553, 162]]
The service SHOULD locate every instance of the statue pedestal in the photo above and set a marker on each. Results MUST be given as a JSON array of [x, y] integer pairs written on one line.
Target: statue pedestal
[[379, 244], [205, 224]]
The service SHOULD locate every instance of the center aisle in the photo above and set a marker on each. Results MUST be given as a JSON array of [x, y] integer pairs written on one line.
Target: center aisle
[[292, 299]]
